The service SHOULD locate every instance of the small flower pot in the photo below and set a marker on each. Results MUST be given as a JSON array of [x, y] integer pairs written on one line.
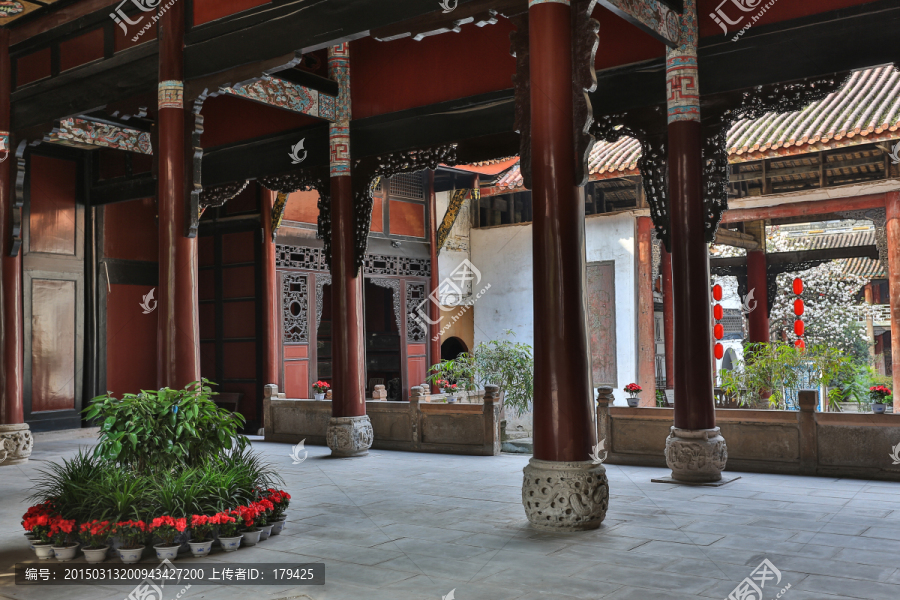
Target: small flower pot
[[130, 556], [278, 526], [201, 548], [265, 531], [164, 551], [95, 555], [633, 401], [878, 409], [319, 396], [230, 544], [65, 553], [452, 399], [251, 538], [43, 550]]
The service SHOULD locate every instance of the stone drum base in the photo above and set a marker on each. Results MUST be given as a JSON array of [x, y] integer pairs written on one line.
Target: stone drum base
[[350, 436], [696, 456], [565, 496], [15, 444]]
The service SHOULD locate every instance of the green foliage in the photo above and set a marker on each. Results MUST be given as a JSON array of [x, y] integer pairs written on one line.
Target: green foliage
[[164, 428], [775, 367], [503, 363], [661, 399]]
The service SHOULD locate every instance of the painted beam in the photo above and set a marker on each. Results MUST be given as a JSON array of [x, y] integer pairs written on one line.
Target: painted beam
[[812, 207], [651, 16], [279, 93], [86, 134]]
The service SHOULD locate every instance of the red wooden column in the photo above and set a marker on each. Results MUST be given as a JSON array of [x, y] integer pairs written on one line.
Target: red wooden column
[[178, 333], [434, 328], [12, 364], [694, 450], [758, 284], [892, 205], [646, 337], [349, 431], [564, 419], [668, 318], [271, 338]]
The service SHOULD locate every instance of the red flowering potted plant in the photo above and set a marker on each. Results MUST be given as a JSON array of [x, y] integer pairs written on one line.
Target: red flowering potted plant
[[321, 388], [249, 517], [880, 397], [167, 528], [64, 537], [36, 522], [280, 499], [227, 528], [202, 527], [95, 535], [633, 389], [264, 509], [131, 536]]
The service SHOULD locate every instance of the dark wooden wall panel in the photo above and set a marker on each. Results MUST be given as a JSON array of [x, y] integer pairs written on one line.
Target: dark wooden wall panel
[[392, 76], [240, 363], [52, 205], [206, 251], [210, 10], [53, 335], [228, 119], [130, 340], [123, 40], [239, 282], [79, 50], [130, 231], [239, 322], [237, 247], [622, 43], [33, 67]]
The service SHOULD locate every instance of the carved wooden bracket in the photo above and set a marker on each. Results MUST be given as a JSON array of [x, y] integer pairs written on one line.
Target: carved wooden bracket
[[194, 206], [18, 200], [519, 48], [584, 79], [216, 197], [305, 180]]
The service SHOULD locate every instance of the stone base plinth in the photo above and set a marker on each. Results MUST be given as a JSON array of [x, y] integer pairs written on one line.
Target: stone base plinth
[[565, 496], [696, 456], [349, 436], [15, 444]]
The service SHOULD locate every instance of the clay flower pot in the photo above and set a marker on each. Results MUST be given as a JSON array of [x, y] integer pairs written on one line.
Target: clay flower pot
[[278, 525], [201, 548], [251, 538], [65, 553], [95, 555], [164, 551], [266, 531], [230, 544], [130, 556], [43, 550]]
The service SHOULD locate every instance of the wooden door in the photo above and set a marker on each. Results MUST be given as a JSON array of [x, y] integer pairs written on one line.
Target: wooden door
[[53, 290]]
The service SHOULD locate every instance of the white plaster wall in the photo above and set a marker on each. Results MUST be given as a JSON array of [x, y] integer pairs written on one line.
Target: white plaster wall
[[457, 247], [504, 257]]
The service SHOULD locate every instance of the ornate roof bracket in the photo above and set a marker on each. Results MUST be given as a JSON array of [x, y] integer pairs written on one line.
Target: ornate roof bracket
[[194, 205], [655, 18], [18, 199], [752, 104], [216, 197], [584, 80], [651, 132], [519, 48], [305, 180]]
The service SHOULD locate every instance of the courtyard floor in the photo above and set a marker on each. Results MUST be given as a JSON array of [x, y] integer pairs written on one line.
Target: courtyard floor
[[403, 526]]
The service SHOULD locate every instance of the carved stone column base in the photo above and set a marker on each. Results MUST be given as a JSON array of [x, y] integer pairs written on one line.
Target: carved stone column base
[[696, 456], [15, 444], [565, 496], [350, 436]]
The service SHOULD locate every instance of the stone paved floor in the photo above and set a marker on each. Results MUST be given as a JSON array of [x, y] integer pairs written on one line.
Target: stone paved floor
[[401, 526]]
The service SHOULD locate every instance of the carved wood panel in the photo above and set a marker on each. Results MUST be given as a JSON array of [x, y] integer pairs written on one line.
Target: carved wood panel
[[601, 292]]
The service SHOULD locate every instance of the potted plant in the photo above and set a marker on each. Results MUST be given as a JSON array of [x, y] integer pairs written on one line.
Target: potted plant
[[131, 535], [64, 538], [321, 388], [281, 500], [201, 534], [633, 389], [167, 528], [450, 389], [227, 526], [881, 397], [95, 535], [249, 525], [36, 522], [264, 509]]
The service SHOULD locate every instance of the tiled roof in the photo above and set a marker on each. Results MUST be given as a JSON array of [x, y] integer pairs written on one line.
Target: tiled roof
[[822, 241], [865, 267], [865, 109]]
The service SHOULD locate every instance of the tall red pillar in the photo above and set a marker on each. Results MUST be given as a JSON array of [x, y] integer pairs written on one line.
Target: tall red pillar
[[434, 328], [178, 333], [758, 286], [892, 227], [668, 318], [646, 337], [349, 431], [695, 450], [15, 438], [564, 418], [271, 334]]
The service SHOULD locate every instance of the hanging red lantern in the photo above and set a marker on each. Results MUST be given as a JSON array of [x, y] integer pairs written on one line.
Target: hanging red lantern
[[718, 312], [798, 286], [798, 327], [719, 331], [717, 292], [800, 344], [798, 307], [720, 351]]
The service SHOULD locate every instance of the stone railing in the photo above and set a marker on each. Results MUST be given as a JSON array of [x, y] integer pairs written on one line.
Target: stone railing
[[413, 426], [803, 442]]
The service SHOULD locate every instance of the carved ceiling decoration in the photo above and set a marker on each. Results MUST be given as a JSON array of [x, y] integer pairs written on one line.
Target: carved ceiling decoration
[[366, 176], [286, 95], [718, 120], [652, 16], [653, 163], [90, 135], [10, 12], [477, 12], [216, 197]]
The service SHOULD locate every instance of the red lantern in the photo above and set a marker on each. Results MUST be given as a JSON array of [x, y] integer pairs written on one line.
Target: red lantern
[[798, 307], [720, 351], [719, 331], [798, 286], [717, 292], [718, 312], [798, 327], [800, 344]]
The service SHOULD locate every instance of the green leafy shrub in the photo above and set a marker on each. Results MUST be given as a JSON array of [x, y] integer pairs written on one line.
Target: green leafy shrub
[[163, 428]]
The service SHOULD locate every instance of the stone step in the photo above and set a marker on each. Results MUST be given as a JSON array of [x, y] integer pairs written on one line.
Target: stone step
[[520, 446]]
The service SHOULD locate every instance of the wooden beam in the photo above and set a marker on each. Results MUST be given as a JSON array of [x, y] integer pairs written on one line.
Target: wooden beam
[[122, 190], [801, 256], [479, 12], [657, 18], [727, 237], [811, 208]]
